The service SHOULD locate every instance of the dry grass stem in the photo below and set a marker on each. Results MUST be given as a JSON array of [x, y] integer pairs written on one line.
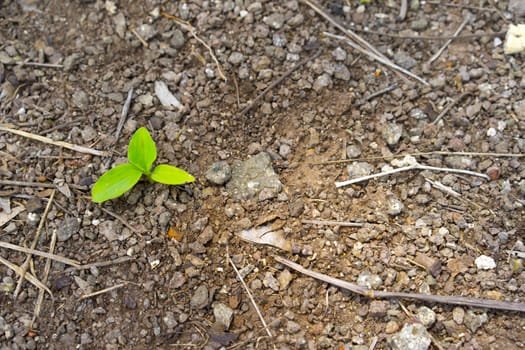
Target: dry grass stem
[[449, 106], [54, 257], [334, 223], [47, 140], [38, 184], [187, 26], [376, 57], [452, 300], [28, 276], [249, 294], [141, 39], [47, 268], [25, 265], [121, 219], [106, 290], [456, 33], [407, 168]]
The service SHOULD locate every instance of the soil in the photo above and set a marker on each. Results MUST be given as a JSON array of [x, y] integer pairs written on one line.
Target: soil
[[168, 246]]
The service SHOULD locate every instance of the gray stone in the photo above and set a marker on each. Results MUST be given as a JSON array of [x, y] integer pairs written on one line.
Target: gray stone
[[475, 320], [251, 177], [177, 39], [223, 315], [378, 308], [353, 151], [369, 280], [418, 114], [419, 24], [517, 7], [284, 150], [284, 279], [107, 229], [404, 60], [426, 316], [71, 62], [164, 218], [292, 327], [80, 99], [392, 133], [199, 224], [458, 315], [279, 40], [146, 31], [199, 299], [438, 81], [169, 320], [394, 206], [67, 228], [341, 72], [88, 133], [219, 173], [120, 24], [358, 169], [236, 58], [275, 20], [270, 281], [413, 336], [322, 82], [177, 280], [339, 54]]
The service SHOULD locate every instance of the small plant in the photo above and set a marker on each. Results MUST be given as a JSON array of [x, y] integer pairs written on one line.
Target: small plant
[[142, 152]]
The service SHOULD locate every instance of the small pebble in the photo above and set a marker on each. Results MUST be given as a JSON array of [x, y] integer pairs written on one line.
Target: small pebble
[[484, 262]]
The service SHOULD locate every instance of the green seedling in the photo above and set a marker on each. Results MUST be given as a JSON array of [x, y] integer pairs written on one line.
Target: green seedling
[[142, 152]]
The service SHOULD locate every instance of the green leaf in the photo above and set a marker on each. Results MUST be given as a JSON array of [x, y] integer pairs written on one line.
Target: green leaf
[[115, 182], [170, 175], [142, 151]]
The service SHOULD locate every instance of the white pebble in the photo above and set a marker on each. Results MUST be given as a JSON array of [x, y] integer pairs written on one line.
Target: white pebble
[[484, 262]]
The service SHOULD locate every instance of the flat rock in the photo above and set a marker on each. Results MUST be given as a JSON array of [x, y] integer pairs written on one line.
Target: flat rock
[[252, 177]]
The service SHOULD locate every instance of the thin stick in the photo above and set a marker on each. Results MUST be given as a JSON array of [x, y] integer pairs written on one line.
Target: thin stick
[[449, 107], [47, 268], [28, 276], [186, 25], [249, 293], [44, 139], [448, 4], [403, 10], [278, 81], [43, 65], [121, 219], [143, 42], [440, 51], [54, 257], [361, 44], [25, 265], [120, 260], [415, 166], [381, 92], [463, 301], [124, 114], [106, 290], [418, 154], [334, 223], [38, 184], [432, 37], [378, 58]]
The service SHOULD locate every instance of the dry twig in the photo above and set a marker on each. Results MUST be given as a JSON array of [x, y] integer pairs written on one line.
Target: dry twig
[[278, 81], [105, 290], [463, 301], [415, 166], [47, 268], [334, 223], [58, 258], [249, 294], [449, 106], [44, 139], [28, 276], [38, 184], [358, 43], [25, 265], [186, 25], [440, 51]]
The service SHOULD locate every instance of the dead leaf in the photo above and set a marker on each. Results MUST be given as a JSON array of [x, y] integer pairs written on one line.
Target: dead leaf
[[459, 265], [265, 235]]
